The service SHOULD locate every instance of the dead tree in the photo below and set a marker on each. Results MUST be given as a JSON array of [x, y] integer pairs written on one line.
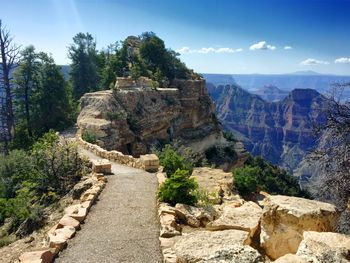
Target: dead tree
[[8, 61], [333, 153]]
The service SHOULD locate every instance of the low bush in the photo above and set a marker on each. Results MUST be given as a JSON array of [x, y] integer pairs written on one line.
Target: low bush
[[262, 175], [89, 136], [178, 188], [172, 161]]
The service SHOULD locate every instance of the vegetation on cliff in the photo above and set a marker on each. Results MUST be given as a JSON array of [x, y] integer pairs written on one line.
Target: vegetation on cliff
[[145, 55], [33, 180], [178, 187], [258, 174]]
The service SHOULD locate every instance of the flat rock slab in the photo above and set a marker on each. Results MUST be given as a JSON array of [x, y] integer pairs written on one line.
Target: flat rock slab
[[218, 246], [122, 226], [325, 247], [101, 166], [246, 217]]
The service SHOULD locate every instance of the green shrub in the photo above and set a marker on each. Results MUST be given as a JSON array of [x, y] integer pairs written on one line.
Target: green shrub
[[115, 116], [245, 179], [89, 136], [203, 199], [268, 177], [172, 161], [178, 189]]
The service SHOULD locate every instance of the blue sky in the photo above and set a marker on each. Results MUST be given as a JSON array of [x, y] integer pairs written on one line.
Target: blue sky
[[246, 36]]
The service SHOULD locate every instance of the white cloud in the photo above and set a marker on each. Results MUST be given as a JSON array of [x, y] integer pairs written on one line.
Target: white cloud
[[183, 50], [313, 62], [288, 47], [262, 45], [342, 60], [207, 50]]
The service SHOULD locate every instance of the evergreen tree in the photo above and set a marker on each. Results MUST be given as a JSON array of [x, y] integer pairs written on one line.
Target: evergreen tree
[[84, 70]]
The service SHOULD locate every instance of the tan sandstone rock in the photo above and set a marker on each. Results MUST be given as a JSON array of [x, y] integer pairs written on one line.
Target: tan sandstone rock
[[193, 216], [218, 246], [77, 212], [43, 256], [68, 221], [215, 182], [150, 162], [168, 226], [285, 219], [67, 232], [327, 247], [57, 242], [246, 217], [290, 258], [101, 166]]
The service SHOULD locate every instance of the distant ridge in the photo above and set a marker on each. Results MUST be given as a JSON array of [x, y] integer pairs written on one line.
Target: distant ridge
[[307, 73]]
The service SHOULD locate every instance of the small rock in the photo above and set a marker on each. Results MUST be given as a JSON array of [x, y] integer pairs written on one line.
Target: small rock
[[193, 216], [81, 187], [68, 221], [44, 256], [67, 232], [169, 227]]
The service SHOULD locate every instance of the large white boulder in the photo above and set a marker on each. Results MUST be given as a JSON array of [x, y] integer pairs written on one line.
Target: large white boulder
[[246, 217], [327, 247], [217, 246], [285, 219]]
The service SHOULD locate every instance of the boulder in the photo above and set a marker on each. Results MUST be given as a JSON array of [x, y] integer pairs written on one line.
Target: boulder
[[67, 232], [246, 217], [81, 187], [290, 258], [327, 247], [285, 219], [218, 246], [167, 246], [43, 256], [150, 162], [215, 182], [57, 242], [193, 216], [168, 225], [77, 212], [101, 166], [68, 221]]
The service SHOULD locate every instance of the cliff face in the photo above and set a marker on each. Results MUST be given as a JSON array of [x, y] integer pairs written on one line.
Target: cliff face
[[282, 132], [134, 116]]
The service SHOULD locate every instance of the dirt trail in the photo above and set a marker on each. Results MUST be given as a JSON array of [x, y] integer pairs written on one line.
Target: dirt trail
[[122, 226]]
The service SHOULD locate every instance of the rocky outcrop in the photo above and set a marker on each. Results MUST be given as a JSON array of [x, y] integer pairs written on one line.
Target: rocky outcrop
[[246, 217], [216, 183], [133, 118], [281, 132], [324, 247], [271, 93], [222, 246], [285, 219]]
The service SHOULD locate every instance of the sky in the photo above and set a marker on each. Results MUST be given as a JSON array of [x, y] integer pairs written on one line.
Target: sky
[[221, 36]]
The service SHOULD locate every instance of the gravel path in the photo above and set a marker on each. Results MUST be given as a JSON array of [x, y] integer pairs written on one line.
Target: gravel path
[[122, 226]]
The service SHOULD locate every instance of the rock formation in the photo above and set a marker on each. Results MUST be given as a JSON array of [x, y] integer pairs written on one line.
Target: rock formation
[[282, 132], [135, 116], [285, 219]]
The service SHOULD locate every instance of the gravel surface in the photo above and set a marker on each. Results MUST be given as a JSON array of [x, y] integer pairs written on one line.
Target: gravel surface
[[122, 226]]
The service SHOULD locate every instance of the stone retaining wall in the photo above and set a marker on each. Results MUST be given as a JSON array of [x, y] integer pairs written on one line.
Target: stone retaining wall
[[148, 162]]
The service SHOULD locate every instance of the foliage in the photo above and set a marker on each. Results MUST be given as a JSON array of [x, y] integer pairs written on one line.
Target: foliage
[[258, 174], [178, 188], [228, 135], [31, 180], [89, 136], [84, 66], [202, 197], [172, 161], [245, 179], [133, 123], [40, 91]]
